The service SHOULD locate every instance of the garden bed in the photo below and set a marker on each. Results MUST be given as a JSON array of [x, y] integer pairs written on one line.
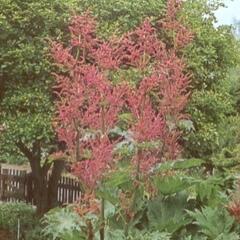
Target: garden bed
[[5, 235]]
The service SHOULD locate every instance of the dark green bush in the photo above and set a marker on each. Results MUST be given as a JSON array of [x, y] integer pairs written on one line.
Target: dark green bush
[[10, 213]]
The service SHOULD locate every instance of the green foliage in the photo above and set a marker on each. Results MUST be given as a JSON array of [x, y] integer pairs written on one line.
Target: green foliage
[[111, 234], [195, 237], [168, 213], [32, 110], [117, 17], [26, 81], [209, 110], [214, 223], [11, 213], [208, 191], [167, 185], [62, 224], [25, 26], [156, 235], [35, 233], [180, 164], [214, 49], [27, 118], [211, 56]]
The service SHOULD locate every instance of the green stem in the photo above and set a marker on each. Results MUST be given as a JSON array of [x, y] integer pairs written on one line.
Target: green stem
[[135, 192], [102, 218]]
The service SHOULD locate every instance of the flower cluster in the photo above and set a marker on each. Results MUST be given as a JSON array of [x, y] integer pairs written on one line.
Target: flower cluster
[[89, 103]]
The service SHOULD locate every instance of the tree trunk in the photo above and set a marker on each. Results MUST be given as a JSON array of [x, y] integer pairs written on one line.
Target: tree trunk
[[41, 196], [46, 189], [57, 170]]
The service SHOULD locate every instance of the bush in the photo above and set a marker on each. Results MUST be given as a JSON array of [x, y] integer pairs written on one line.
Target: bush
[[11, 212]]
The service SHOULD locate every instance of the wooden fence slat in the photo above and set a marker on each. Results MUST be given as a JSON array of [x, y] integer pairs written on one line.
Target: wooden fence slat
[[17, 185]]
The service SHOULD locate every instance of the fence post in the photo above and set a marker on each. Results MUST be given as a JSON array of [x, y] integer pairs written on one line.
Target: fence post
[[29, 188], [22, 184], [18, 185], [4, 184]]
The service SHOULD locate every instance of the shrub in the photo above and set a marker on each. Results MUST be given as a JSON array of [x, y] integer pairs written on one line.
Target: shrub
[[10, 213]]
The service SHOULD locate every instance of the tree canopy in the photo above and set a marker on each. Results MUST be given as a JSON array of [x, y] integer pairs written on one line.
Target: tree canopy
[[26, 81]]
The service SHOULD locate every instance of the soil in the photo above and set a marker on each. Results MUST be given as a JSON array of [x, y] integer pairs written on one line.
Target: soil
[[5, 235]]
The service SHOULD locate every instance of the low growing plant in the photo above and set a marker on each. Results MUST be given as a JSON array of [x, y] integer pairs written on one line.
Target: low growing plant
[[14, 213]]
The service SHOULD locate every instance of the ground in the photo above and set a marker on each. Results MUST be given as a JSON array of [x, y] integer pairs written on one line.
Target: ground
[[5, 235]]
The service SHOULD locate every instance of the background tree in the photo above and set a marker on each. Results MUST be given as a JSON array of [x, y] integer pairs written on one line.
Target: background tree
[[211, 58], [26, 82]]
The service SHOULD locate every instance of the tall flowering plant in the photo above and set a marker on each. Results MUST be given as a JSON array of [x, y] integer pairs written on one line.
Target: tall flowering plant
[[158, 100], [89, 104]]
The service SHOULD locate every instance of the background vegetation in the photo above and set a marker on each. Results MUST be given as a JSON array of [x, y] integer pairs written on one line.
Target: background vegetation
[[196, 198]]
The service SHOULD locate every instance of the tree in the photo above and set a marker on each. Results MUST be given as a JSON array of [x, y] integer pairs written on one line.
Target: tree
[[116, 18], [210, 58], [26, 82]]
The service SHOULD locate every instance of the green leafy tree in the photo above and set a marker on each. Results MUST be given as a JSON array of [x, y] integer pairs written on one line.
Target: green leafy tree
[[26, 82], [117, 17], [211, 57]]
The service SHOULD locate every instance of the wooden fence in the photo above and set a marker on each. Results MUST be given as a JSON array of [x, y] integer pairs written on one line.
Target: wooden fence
[[17, 185]]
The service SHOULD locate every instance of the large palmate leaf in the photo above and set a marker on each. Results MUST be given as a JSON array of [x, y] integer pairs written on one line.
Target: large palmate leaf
[[119, 178], [63, 223], [213, 222], [180, 164], [172, 184], [113, 182], [168, 214], [228, 236], [208, 191]]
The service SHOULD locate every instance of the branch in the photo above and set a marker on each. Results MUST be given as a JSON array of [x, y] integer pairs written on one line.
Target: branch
[[33, 160], [22, 147], [36, 150], [46, 166]]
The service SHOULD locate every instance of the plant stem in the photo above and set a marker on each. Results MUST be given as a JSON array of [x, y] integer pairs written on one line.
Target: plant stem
[[102, 220], [90, 233], [135, 191]]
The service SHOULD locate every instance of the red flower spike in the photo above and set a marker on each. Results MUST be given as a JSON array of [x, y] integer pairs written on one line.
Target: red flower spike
[[88, 103], [92, 169]]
